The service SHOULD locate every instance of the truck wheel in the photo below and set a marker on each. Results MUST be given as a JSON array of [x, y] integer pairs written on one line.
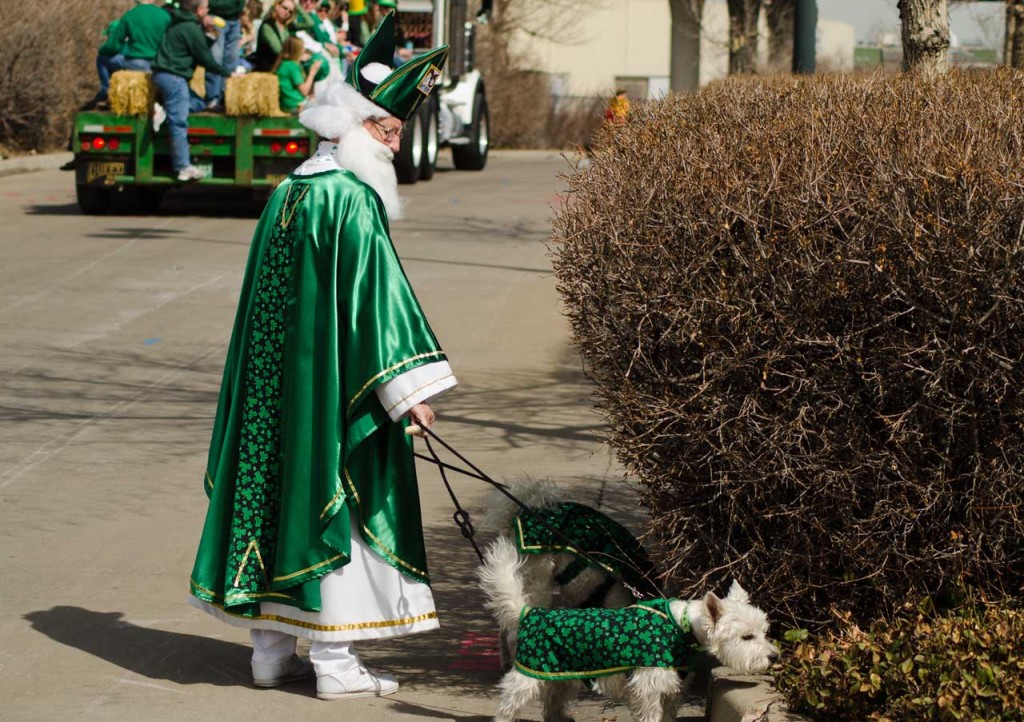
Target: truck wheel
[[431, 137], [410, 152], [92, 201], [473, 155]]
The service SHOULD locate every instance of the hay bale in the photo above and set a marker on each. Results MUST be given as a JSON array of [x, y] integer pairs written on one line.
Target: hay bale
[[131, 92], [253, 94], [198, 82]]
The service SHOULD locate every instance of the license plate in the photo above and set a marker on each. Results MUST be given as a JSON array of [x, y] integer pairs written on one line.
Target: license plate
[[206, 168], [106, 171]]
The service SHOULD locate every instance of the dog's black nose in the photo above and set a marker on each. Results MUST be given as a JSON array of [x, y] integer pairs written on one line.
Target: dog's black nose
[[773, 657]]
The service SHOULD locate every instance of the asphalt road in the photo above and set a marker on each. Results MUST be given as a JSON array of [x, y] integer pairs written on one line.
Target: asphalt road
[[113, 332]]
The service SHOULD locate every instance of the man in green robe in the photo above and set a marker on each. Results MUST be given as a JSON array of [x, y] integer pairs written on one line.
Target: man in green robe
[[313, 528]]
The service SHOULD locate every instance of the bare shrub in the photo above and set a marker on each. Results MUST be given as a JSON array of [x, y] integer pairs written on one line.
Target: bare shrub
[[48, 67], [802, 303]]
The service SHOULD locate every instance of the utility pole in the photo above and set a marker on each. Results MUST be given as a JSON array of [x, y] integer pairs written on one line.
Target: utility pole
[[805, 30]]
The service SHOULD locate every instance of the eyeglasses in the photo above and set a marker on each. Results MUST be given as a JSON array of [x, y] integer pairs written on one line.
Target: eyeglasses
[[388, 134]]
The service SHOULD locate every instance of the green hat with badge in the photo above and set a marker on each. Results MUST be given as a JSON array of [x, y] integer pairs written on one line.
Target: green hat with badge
[[401, 90]]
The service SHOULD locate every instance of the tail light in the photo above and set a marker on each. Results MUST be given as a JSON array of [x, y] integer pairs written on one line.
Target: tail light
[[99, 143], [113, 143]]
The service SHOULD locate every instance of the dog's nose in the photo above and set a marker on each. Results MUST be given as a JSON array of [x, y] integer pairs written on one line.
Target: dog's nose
[[773, 657]]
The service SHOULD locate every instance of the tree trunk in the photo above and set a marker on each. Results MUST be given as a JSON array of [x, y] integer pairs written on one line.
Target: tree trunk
[[779, 15], [925, 32], [1011, 25], [684, 71], [1015, 34], [743, 16]]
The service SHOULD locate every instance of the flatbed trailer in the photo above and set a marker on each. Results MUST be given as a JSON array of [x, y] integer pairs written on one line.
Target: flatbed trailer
[[114, 154]]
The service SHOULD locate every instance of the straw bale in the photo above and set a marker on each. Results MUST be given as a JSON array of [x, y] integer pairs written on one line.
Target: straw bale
[[198, 82], [253, 94], [131, 92]]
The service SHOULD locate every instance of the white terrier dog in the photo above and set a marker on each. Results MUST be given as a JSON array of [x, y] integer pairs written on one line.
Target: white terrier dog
[[551, 661], [556, 574]]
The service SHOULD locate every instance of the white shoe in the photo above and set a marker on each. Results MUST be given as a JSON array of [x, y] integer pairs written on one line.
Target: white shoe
[[356, 682], [159, 116], [274, 674], [191, 173]]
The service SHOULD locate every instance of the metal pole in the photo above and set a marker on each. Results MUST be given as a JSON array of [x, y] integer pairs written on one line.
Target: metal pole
[[805, 26]]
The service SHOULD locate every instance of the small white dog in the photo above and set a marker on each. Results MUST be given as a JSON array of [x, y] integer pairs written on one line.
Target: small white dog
[[561, 646], [556, 574]]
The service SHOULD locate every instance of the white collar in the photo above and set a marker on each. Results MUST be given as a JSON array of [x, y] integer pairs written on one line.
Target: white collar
[[320, 161]]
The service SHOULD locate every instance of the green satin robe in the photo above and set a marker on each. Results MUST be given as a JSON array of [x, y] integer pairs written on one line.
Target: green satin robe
[[326, 314]]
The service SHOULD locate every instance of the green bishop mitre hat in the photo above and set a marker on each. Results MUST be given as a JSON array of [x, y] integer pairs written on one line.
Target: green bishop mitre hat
[[408, 85]]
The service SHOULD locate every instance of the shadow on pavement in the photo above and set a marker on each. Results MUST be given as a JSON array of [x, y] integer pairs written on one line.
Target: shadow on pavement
[[154, 653]]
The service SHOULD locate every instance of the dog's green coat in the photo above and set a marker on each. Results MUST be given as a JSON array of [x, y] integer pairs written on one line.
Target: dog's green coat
[[556, 644], [577, 528]]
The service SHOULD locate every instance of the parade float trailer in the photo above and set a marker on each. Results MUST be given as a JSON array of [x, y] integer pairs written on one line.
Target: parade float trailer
[[123, 154]]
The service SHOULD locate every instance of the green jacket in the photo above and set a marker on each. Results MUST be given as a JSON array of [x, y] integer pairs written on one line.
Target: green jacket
[[113, 43], [310, 22], [585, 643], [183, 47], [227, 9], [141, 30]]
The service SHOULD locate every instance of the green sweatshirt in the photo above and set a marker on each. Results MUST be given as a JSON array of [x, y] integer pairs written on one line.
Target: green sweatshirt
[[112, 42], [310, 22], [184, 46], [227, 9], [142, 28]]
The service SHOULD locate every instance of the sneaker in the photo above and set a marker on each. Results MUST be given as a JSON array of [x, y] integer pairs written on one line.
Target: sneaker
[[277, 673], [215, 106], [159, 116], [190, 173], [356, 682]]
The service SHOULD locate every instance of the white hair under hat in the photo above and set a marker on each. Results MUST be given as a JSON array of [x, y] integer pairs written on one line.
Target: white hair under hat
[[339, 109]]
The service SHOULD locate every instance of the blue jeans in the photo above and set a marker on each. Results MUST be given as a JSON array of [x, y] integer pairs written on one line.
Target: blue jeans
[[179, 100], [138, 64], [225, 51], [107, 65]]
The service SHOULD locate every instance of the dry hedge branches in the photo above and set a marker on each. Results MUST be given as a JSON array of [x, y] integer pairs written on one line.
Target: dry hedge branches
[[802, 303], [48, 67]]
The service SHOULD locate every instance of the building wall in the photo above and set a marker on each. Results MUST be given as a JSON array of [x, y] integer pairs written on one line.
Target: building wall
[[629, 39]]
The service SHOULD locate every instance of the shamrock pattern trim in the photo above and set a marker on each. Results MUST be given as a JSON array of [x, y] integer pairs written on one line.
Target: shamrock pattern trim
[[258, 484]]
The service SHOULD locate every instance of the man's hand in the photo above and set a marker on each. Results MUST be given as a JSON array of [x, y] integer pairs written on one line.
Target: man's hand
[[422, 415]]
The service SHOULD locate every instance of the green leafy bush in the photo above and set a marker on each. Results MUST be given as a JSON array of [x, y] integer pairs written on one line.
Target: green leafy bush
[[802, 303], [963, 665]]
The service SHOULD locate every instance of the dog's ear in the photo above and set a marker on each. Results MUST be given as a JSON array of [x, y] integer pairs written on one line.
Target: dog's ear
[[715, 608], [738, 593]]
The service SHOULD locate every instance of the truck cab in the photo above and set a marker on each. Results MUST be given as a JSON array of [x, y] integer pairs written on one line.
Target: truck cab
[[456, 115]]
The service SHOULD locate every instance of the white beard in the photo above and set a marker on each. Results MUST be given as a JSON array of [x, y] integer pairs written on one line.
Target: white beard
[[370, 161]]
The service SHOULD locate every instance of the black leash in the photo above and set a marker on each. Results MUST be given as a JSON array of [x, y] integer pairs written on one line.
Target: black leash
[[462, 518]]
